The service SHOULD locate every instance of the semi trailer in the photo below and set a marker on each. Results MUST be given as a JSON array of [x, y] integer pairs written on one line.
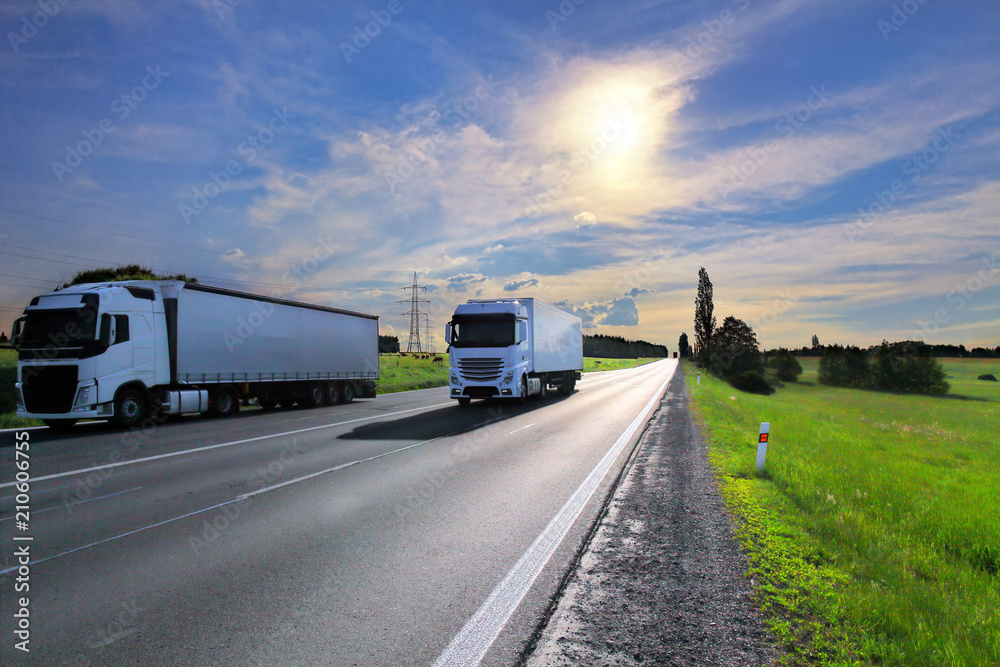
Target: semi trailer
[[132, 350], [512, 349]]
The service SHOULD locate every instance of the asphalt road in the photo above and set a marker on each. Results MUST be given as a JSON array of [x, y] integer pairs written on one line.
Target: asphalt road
[[404, 530]]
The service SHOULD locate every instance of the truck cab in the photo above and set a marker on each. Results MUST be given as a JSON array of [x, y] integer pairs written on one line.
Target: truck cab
[[80, 349], [512, 349]]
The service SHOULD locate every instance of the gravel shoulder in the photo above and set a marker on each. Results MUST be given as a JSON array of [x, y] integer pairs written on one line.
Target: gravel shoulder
[[662, 580]]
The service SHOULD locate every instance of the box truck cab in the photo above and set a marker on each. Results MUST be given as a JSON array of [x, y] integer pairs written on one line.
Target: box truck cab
[[512, 349], [127, 350]]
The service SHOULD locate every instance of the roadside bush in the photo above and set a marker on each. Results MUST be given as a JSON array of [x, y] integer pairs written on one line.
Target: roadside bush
[[752, 382], [785, 366]]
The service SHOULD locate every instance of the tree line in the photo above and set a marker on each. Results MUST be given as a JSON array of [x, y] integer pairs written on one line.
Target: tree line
[[616, 347], [731, 351]]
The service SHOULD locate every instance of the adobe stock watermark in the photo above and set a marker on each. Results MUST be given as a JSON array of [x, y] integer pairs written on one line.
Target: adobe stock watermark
[[31, 25], [223, 7], [961, 294], [787, 126], [703, 40], [565, 9], [423, 150], [900, 16], [582, 159], [362, 35], [122, 107], [915, 168], [248, 149]]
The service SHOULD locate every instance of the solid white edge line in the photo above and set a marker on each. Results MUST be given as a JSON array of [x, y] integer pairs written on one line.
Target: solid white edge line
[[470, 645], [221, 444]]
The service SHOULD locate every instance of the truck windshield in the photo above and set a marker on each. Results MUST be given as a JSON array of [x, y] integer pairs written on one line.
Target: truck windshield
[[482, 331], [60, 328]]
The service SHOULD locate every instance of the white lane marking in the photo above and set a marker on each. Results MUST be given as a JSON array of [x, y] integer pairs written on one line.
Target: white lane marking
[[79, 502], [78, 482], [118, 537], [475, 638], [225, 444], [247, 495], [523, 427]]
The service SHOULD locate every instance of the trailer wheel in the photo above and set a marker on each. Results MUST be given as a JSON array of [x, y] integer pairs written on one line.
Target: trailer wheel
[[314, 395], [543, 391], [130, 408], [464, 400], [348, 392], [224, 402], [332, 393]]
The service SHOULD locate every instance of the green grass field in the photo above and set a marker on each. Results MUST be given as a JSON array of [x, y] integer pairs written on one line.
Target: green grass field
[[874, 535], [396, 374]]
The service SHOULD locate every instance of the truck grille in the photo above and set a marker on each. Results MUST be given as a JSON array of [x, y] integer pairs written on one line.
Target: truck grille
[[480, 370], [48, 389]]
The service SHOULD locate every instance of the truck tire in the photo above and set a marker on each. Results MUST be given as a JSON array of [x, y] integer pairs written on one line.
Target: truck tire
[[543, 391], [464, 400], [348, 392], [332, 393], [60, 424], [314, 395], [130, 408], [224, 402]]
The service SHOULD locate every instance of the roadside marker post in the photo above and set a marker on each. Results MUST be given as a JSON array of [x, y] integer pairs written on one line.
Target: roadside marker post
[[765, 430], [699, 379]]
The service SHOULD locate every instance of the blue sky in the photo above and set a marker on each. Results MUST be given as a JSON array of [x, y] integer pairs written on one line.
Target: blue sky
[[833, 165]]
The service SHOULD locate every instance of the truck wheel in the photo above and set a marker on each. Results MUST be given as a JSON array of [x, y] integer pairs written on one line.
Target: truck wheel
[[332, 394], [130, 408], [543, 391], [314, 395], [224, 402], [60, 424], [348, 392], [524, 389], [465, 400]]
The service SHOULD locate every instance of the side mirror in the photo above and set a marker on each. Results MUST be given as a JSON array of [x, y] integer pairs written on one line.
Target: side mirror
[[15, 333], [107, 336], [447, 333]]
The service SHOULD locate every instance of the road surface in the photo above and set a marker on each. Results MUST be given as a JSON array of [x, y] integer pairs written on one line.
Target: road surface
[[404, 530]]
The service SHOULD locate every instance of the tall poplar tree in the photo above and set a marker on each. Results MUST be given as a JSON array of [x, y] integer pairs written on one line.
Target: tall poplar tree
[[704, 320]]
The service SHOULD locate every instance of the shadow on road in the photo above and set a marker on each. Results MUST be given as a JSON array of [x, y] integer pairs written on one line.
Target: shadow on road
[[446, 421]]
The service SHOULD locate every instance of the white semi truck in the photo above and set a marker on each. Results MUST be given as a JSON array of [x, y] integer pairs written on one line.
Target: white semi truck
[[512, 349], [127, 351]]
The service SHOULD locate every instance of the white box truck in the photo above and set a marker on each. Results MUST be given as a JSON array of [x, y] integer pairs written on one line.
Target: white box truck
[[131, 350], [512, 349]]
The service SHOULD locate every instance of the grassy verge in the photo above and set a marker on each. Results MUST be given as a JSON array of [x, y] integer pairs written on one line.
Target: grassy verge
[[396, 374], [873, 536], [591, 364]]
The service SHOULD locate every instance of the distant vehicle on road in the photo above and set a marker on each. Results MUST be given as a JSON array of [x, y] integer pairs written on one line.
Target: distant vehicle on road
[[129, 350], [512, 349]]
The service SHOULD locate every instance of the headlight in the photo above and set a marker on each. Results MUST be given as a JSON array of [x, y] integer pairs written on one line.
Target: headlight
[[454, 379], [83, 397], [507, 379]]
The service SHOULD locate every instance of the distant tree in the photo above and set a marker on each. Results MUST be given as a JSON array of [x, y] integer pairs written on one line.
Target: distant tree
[[736, 356], [616, 347], [815, 341], [704, 319], [388, 344], [907, 366], [682, 346], [123, 272]]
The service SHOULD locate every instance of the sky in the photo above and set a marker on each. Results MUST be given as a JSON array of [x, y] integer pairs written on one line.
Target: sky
[[833, 164]]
